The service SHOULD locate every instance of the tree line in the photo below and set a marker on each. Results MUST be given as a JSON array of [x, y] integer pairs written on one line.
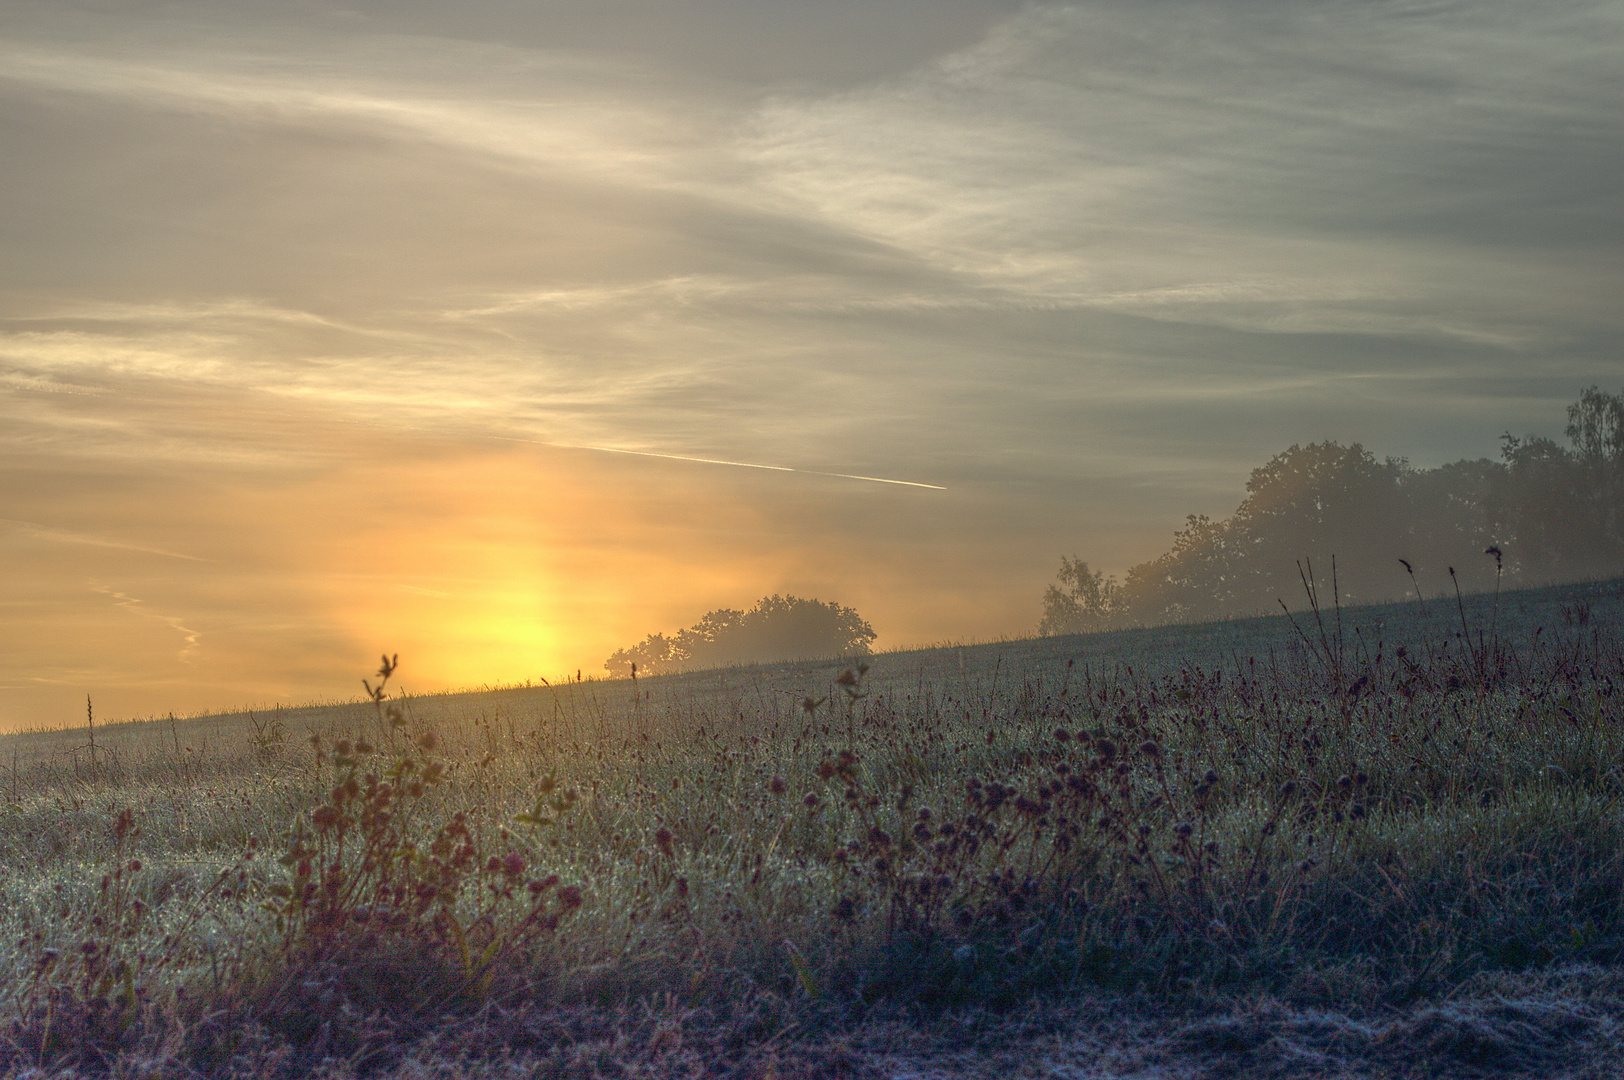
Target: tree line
[[776, 628], [1549, 513]]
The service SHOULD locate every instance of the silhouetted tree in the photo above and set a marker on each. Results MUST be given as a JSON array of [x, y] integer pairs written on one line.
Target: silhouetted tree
[[1310, 503], [1596, 426], [1596, 429], [776, 628], [1192, 581], [653, 655], [1085, 604], [1564, 509], [1307, 503], [1449, 523], [1555, 514]]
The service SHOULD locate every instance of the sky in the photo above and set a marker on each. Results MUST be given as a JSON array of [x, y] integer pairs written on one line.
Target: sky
[[500, 334]]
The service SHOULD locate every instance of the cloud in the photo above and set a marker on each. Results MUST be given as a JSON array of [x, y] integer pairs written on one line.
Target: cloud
[[323, 299], [1343, 167], [523, 107], [64, 536], [190, 637]]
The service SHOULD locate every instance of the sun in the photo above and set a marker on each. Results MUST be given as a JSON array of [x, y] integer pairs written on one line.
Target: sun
[[458, 577], [472, 633], [484, 568]]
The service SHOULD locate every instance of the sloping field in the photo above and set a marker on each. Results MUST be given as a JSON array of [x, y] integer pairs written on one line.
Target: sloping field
[[1381, 841], [979, 677]]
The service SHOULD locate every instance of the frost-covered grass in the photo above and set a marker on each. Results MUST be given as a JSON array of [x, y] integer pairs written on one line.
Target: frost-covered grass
[[1360, 814]]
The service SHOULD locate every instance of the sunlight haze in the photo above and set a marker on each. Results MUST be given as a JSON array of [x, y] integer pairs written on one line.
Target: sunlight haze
[[464, 331]]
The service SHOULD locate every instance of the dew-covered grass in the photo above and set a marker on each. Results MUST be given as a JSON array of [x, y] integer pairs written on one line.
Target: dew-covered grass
[[1358, 808]]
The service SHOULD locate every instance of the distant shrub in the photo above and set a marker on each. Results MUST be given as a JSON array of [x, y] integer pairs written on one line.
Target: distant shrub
[[776, 628]]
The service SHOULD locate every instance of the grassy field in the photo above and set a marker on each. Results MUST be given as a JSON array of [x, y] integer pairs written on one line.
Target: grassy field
[[791, 868]]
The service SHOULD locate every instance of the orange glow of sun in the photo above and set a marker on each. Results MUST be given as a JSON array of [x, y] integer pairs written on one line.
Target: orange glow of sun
[[502, 567]]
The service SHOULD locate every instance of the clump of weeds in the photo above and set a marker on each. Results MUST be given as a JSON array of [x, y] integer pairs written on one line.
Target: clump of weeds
[[381, 912], [385, 907]]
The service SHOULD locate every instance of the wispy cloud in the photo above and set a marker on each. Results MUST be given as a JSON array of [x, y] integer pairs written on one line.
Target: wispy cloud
[[19, 380], [1220, 163], [527, 106], [65, 536]]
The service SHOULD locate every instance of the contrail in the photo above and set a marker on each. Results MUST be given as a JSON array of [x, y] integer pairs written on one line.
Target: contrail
[[650, 453], [874, 479], [679, 457], [735, 464]]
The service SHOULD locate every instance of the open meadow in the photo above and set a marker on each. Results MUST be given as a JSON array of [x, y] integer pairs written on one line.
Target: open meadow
[[363, 361], [1384, 840]]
